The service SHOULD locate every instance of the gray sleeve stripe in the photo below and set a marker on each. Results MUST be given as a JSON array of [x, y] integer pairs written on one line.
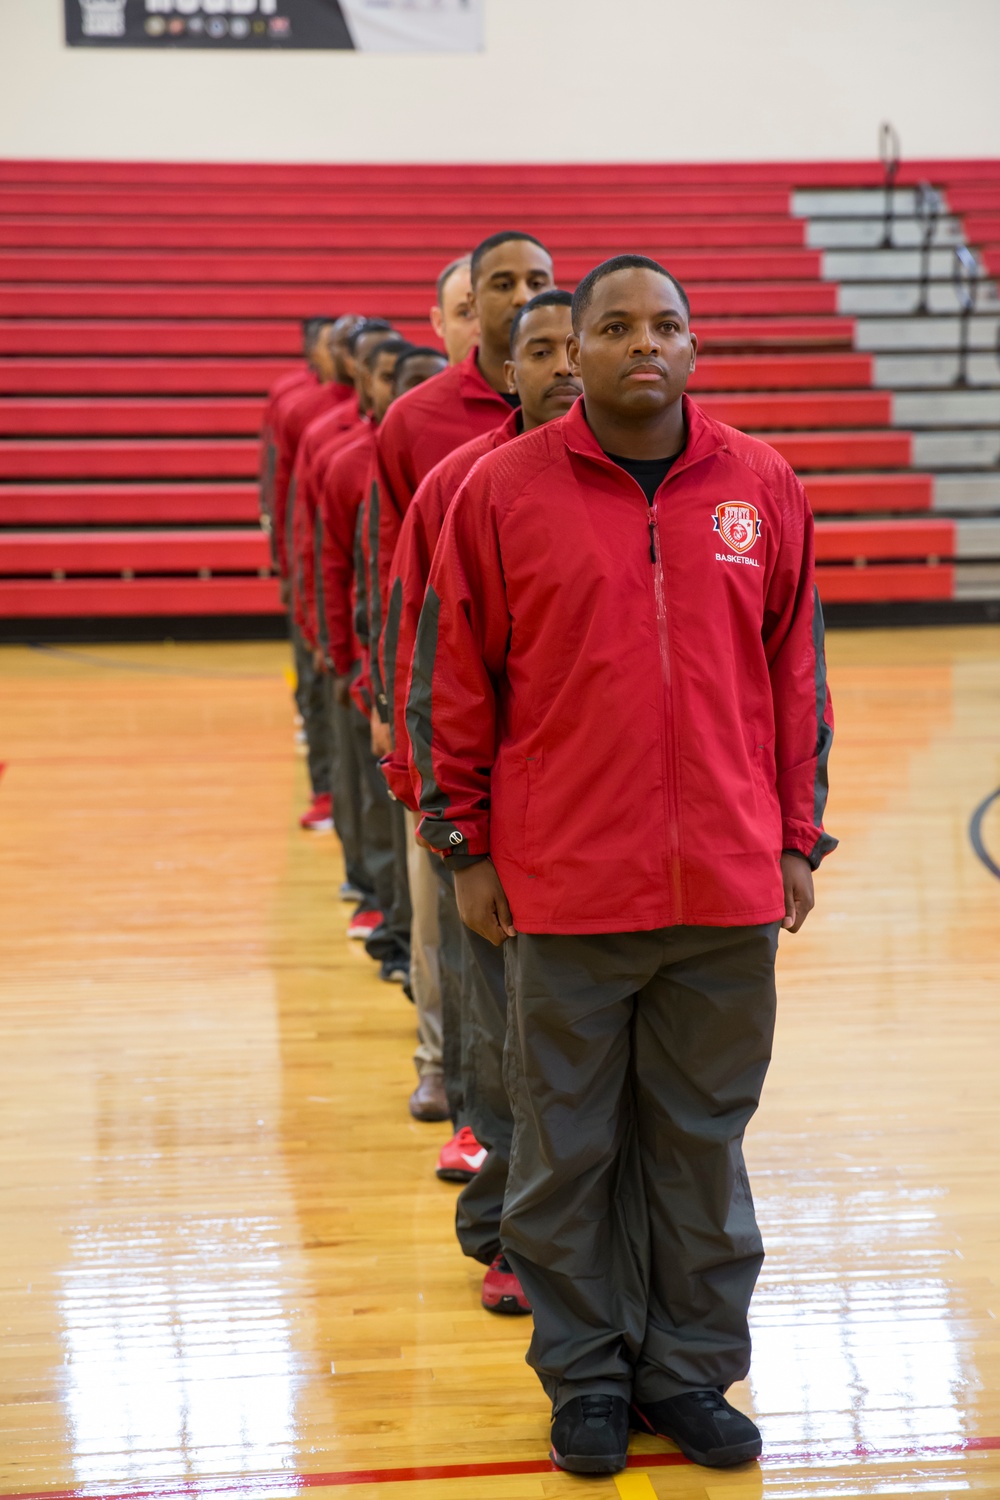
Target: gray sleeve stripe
[[420, 724], [391, 647], [824, 734]]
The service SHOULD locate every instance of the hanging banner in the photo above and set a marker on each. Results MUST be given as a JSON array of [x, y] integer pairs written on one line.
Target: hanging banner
[[352, 25]]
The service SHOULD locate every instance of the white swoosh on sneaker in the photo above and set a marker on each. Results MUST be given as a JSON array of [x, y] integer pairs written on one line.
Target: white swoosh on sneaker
[[476, 1160]]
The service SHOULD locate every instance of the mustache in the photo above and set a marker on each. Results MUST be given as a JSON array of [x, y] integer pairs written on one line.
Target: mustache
[[566, 383]]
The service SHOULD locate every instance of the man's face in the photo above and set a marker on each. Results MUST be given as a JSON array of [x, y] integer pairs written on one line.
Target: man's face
[[380, 379], [363, 346], [634, 350], [418, 369], [455, 321], [343, 360], [538, 369], [507, 277]]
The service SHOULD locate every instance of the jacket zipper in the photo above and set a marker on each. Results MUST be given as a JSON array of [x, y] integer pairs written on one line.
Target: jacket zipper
[[669, 740]]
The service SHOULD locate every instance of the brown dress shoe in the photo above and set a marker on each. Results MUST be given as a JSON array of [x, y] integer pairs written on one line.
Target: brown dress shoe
[[428, 1100]]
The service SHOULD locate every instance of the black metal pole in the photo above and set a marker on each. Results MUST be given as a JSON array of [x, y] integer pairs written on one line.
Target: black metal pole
[[928, 207], [966, 278], [888, 144]]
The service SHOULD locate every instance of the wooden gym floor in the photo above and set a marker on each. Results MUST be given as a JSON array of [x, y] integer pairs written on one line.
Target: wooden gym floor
[[227, 1268]]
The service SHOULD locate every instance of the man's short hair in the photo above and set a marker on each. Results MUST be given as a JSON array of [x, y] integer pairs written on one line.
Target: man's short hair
[[584, 294], [448, 272], [551, 298], [502, 237], [367, 325], [311, 328], [394, 344], [415, 351]]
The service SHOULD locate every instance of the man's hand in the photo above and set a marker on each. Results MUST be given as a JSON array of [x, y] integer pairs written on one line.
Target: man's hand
[[319, 661], [381, 736], [800, 898], [342, 692], [285, 592], [482, 904]]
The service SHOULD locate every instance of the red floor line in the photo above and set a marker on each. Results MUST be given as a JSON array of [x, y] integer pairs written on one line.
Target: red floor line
[[250, 1486]]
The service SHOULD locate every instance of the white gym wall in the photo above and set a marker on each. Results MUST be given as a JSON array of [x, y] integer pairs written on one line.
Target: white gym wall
[[560, 80]]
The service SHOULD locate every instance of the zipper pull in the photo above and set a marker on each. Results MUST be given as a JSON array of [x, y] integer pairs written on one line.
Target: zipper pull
[[652, 537]]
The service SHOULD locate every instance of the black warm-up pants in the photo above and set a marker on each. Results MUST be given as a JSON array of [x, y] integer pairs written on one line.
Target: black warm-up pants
[[485, 1105], [633, 1062], [311, 697]]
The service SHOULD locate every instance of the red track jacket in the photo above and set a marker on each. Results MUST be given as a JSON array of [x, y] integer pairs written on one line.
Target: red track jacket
[[419, 430], [411, 567], [295, 418], [325, 435], [283, 393], [341, 490], [633, 737]]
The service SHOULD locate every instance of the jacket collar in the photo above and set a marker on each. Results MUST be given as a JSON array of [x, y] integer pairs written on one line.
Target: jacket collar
[[704, 436], [473, 384], [508, 429]]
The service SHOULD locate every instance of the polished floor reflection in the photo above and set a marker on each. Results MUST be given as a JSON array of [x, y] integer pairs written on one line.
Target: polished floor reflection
[[227, 1268]]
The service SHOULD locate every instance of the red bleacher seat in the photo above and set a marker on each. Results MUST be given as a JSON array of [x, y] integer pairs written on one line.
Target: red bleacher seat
[[145, 310]]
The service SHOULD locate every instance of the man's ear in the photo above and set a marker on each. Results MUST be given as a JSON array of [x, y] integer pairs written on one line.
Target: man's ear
[[509, 369], [437, 321], [573, 353], [694, 352]]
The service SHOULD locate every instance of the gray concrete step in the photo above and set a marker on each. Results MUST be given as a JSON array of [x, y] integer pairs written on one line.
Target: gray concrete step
[[866, 234], [916, 332], [901, 371], [979, 538], [956, 450], [956, 494], [946, 408], [977, 581], [892, 299], [847, 203], [886, 265]]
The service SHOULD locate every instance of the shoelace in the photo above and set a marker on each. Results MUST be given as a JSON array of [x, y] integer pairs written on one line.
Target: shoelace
[[596, 1410], [711, 1401]]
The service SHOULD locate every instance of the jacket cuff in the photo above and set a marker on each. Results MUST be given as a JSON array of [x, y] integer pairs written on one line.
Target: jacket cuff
[[464, 861], [812, 843], [397, 775], [451, 840]]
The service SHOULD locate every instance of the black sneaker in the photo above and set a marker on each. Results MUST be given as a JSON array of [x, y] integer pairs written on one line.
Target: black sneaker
[[590, 1435], [395, 971], [704, 1426]]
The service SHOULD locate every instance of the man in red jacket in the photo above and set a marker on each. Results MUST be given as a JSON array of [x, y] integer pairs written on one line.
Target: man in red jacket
[[621, 727], [538, 373], [507, 269]]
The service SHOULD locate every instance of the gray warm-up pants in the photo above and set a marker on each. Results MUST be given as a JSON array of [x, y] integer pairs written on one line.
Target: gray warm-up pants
[[311, 697], [378, 832], [634, 1061], [425, 950], [450, 970], [486, 1107]]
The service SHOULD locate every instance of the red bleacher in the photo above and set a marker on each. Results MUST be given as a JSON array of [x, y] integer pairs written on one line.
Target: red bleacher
[[146, 309]]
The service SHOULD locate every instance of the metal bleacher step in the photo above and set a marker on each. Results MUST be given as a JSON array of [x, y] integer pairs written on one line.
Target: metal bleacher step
[[973, 449]]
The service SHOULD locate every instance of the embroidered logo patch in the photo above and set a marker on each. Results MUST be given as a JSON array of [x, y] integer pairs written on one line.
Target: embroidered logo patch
[[737, 524]]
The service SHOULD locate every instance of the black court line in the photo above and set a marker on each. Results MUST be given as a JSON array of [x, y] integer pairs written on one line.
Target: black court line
[[976, 833], [146, 669]]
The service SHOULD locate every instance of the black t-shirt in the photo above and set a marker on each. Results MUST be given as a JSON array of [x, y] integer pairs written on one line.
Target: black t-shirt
[[511, 397], [649, 473]]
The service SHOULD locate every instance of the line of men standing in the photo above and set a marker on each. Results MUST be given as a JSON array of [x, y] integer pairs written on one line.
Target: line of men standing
[[568, 651], [355, 484]]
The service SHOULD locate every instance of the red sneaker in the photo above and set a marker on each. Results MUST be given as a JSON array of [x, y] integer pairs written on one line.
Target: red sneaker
[[461, 1157], [502, 1292], [319, 816], [363, 924]]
